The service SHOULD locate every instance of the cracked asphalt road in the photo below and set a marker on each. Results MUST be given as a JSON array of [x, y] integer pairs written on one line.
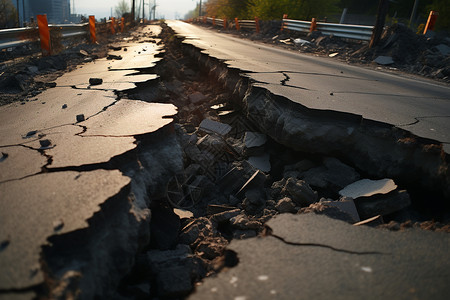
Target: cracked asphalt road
[[325, 84], [44, 190], [333, 260]]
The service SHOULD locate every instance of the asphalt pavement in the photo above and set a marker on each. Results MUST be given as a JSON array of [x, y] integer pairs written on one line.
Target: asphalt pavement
[[312, 256], [53, 180], [418, 105]]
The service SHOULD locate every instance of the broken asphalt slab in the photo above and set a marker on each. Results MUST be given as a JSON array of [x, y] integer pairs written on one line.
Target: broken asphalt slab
[[311, 256], [63, 218], [35, 208]]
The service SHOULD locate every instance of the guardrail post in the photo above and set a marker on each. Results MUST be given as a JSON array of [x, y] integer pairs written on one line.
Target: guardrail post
[[44, 34], [225, 25], [122, 24], [92, 28], [431, 21], [313, 25], [113, 30], [237, 24], [214, 21], [257, 25], [282, 21]]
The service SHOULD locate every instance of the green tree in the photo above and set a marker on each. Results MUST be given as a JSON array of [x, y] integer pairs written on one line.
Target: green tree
[[122, 8], [8, 14], [296, 9]]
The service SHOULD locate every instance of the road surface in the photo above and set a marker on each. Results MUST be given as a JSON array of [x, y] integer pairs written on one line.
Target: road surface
[[415, 104]]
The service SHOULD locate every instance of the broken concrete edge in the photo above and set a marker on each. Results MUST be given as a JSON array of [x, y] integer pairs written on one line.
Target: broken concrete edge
[[349, 137], [62, 259], [94, 276]]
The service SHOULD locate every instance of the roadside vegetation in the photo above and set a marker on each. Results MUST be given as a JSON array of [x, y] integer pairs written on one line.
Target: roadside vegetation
[[399, 10]]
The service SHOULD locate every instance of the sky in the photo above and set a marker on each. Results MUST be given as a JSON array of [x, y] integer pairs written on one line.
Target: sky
[[168, 9]]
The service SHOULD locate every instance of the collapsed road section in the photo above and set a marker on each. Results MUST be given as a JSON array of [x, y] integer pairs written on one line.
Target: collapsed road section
[[142, 182]]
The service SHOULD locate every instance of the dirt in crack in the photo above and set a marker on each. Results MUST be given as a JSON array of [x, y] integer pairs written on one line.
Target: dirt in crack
[[235, 179]]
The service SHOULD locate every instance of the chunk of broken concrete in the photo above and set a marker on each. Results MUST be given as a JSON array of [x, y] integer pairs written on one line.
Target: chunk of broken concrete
[[380, 204], [254, 139], [333, 175], [384, 60], [346, 205], [95, 81], [285, 205], [367, 188], [330, 211], [301, 42], [211, 126], [300, 192], [261, 162], [197, 97]]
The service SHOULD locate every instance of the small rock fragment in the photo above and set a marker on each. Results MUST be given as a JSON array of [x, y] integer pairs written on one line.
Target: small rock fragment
[[261, 162], [45, 143], [384, 60], [95, 81], [346, 205], [285, 205], [80, 118], [30, 133], [300, 192], [367, 188], [211, 126], [254, 139], [64, 106], [84, 53]]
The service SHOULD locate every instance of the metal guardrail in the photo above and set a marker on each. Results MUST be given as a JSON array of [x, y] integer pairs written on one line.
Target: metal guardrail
[[247, 24], [15, 37], [357, 32]]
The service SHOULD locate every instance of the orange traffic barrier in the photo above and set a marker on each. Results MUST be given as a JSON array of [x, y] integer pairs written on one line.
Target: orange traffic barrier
[[237, 24], [92, 28], [214, 21], [257, 25], [44, 34], [122, 24], [204, 19], [313, 25], [431, 21], [113, 30], [282, 23], [225, 25]]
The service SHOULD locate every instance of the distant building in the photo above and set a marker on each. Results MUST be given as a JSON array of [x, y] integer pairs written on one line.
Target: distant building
[[57, 11]]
